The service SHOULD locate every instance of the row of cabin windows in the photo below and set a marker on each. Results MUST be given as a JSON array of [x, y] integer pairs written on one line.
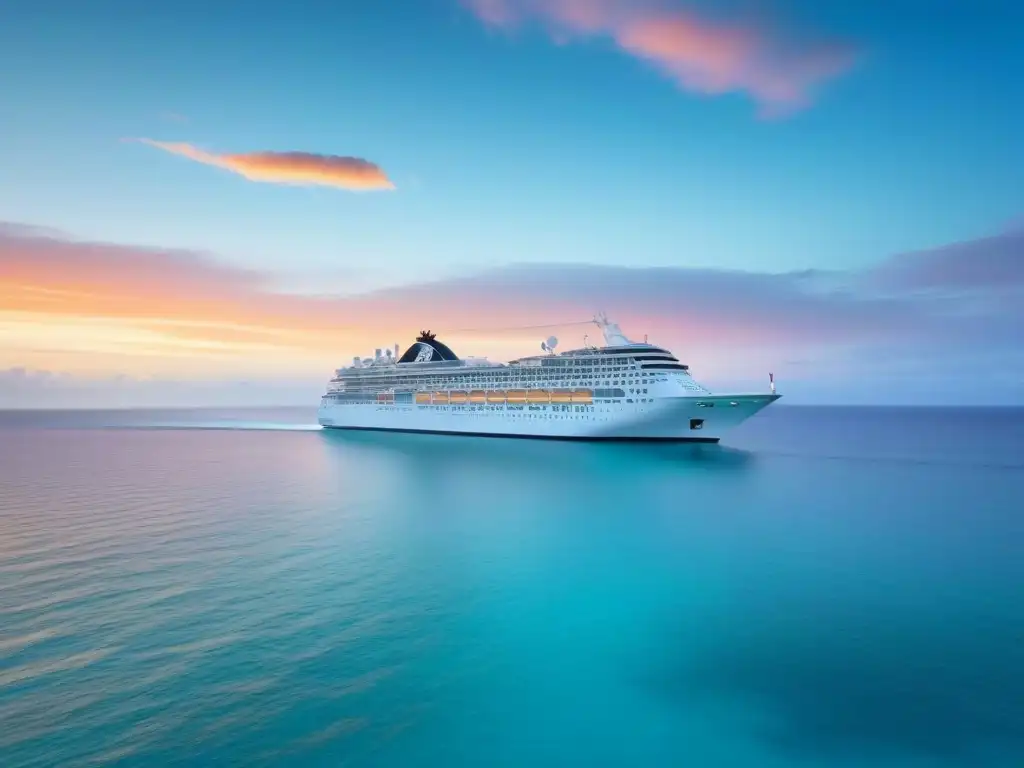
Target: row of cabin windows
[[620, 387], [406, 398], [604, 361], [616, 377], [539, 413], [595, 366], [515, 375], [463, 384]]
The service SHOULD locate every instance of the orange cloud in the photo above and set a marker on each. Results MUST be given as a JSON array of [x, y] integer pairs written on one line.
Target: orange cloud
[[298, 168], [101, 308], [699, 55]]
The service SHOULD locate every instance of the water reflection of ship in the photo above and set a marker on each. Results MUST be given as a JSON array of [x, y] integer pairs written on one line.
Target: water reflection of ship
[[431, 451]]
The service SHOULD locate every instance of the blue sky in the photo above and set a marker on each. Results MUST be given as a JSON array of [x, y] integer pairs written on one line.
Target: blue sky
[[506, 145]]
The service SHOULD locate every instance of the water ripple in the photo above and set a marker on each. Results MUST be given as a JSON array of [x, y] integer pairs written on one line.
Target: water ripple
[[267, 597], [48, 667]]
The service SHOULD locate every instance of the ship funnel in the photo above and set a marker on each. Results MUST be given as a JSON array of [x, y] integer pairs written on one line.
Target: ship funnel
[[376, 354]]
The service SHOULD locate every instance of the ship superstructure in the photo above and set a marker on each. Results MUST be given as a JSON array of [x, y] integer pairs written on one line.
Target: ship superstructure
[[624, 390]]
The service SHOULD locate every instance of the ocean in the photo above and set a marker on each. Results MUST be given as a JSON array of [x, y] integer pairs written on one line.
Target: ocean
[[829, 587]]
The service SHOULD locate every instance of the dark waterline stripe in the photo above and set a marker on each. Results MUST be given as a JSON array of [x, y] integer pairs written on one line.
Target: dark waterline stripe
[[563, 438]]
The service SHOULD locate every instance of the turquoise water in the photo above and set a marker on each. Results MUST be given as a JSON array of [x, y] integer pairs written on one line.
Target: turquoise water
[[834, 587]]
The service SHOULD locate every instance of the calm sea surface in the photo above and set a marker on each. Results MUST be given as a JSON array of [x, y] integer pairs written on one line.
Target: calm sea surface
[[832, 587]]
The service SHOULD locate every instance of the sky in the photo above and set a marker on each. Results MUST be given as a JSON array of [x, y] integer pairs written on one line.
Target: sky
[[200, 202]]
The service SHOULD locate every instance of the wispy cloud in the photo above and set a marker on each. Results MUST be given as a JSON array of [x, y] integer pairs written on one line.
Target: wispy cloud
[[701, 55], [995, 262], [297, 168]]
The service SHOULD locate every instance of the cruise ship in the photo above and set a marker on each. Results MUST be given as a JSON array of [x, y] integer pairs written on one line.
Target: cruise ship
[[621, 391]]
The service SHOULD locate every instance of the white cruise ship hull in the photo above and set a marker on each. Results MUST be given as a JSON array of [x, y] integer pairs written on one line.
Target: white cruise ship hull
[[675, 419]]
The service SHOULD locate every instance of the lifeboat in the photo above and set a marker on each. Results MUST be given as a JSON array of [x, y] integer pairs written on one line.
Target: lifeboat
[[496, 397], [583, 396], [440, 398], [457, 398], [538, 396], [477, 396], [517, 396], [561, 396], [422, 398]]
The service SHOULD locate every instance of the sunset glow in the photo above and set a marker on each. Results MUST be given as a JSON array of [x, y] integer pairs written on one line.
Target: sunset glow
[[828, 193]]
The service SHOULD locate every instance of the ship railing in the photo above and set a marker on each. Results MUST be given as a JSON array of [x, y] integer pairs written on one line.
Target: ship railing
[[558, 396], [415, 367]]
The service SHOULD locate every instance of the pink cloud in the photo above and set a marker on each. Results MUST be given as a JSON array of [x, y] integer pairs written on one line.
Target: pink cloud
[[700, 55], [995, 262], [109, 306], [298, 168]]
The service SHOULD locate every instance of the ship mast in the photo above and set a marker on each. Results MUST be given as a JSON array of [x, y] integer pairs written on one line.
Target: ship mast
[[613, 335]]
